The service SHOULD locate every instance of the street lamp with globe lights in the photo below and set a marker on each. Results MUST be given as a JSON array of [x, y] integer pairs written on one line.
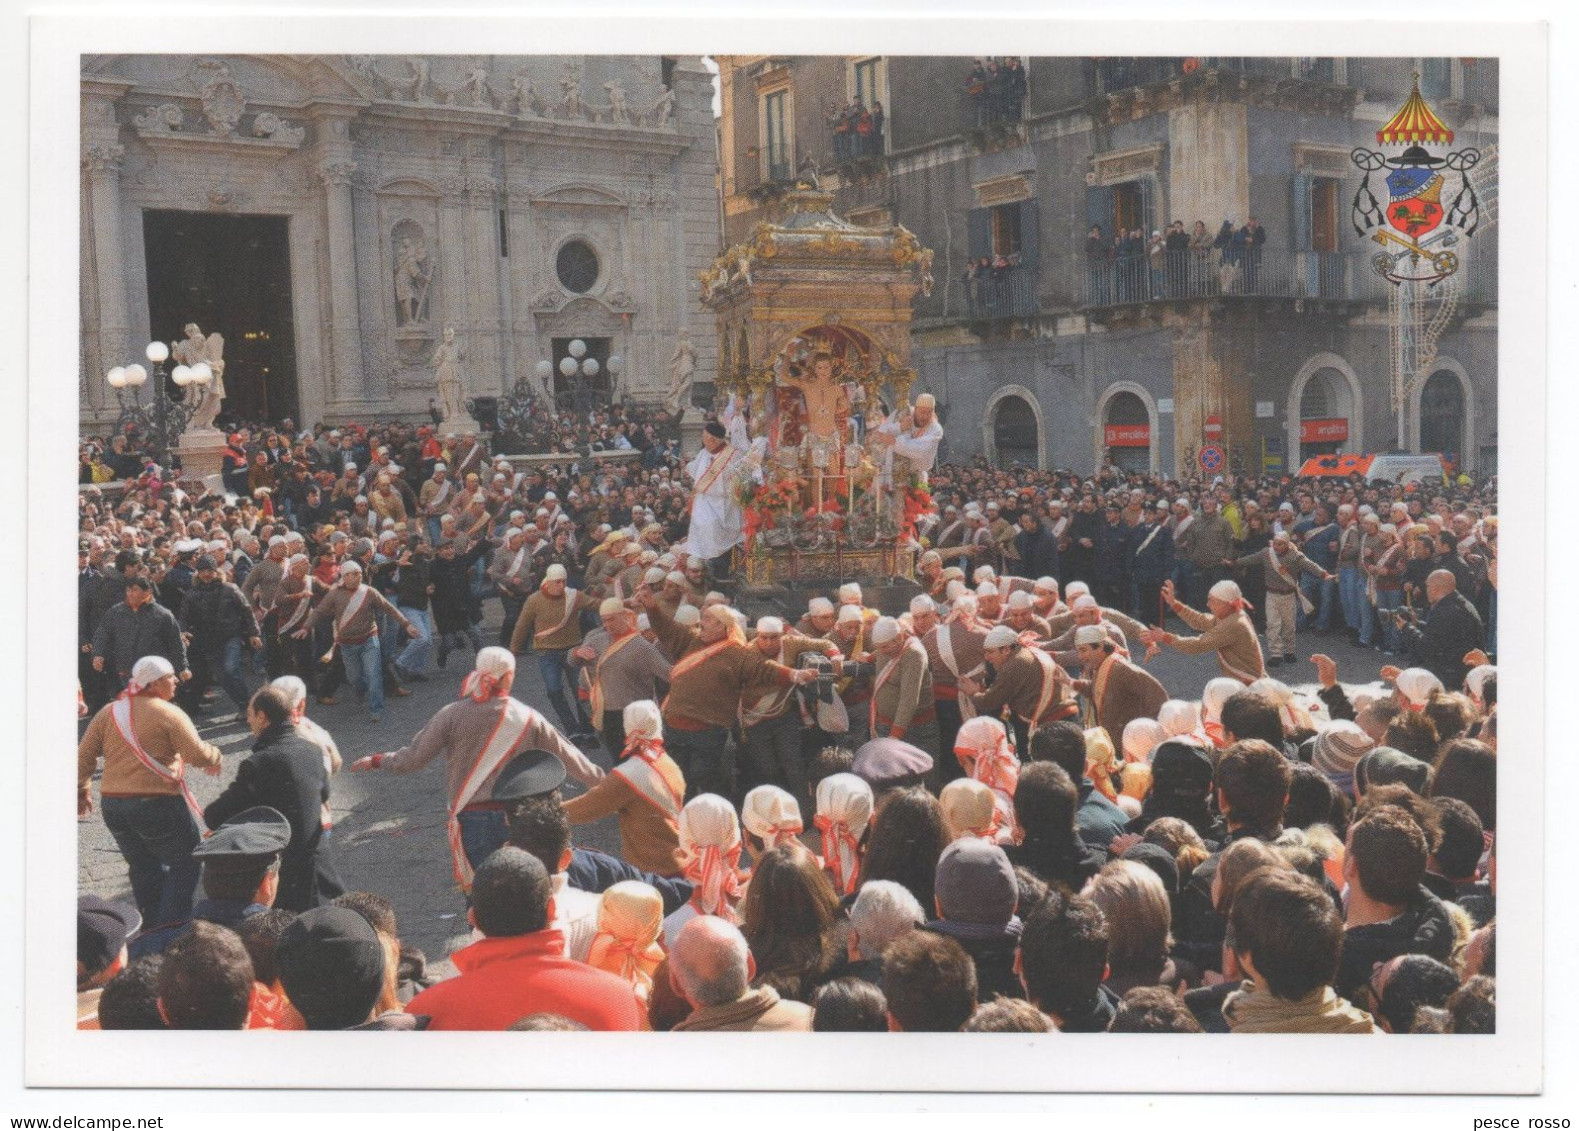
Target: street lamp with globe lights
[[162, 420]]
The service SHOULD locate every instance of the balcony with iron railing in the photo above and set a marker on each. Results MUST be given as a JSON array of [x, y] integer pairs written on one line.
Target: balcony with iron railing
[[1265, 273], [1005, 291]]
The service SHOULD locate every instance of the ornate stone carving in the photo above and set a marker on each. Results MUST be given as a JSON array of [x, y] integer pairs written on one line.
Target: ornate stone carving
[[417, 86], [570, 105], [165, 118], [527, 104], [618, 112], [479, 184], [273, 126], [223, 101], [103, 158], [620, 301], [452, 185], [548, 299], [337, 174], [413, 274], [225, 196], [661, 113], [475, 90]]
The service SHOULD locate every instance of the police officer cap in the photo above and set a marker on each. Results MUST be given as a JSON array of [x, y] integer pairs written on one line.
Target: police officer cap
[[248, 837], [532, 773]]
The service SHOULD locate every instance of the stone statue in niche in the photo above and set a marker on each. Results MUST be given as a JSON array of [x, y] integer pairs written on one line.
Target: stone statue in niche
[[413, 277], [618, 110], [570, 90], [223, 101], [663, 109], [447, 377], [681, 368], [191, 350], [525, 95]]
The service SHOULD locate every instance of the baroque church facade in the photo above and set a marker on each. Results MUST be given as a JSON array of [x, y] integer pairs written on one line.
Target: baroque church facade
[[330, 216]]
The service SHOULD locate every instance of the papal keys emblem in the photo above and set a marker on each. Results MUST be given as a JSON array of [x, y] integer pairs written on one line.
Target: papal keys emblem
[[1417, 233]]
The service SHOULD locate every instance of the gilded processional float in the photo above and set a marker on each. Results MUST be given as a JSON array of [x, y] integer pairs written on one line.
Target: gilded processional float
[[814, 361]]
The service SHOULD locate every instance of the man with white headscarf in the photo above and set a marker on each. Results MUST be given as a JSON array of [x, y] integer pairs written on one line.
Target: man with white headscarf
[[146, 743], [710, 845], [844, 810], [1117, 690], [771, 719], [645, 790], [903, 705], [353, 608], [1281, 566], [618, 666], [476, 736], [1225, 630], [713, 667], [770, 817], [550, 622], [954, 649], [1027, 682]]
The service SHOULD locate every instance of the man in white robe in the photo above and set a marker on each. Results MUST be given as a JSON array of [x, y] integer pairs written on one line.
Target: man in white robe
[[717, 524]]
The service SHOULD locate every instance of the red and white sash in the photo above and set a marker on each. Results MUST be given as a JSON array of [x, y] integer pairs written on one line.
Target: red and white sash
[[440, 495], [887, 673], [1289, 580], [597, 697], [694, 659], [653, 787], [513, 721], [299, 614], [721, 460], [570, 611], [352, 607], [967, 708], [121, 716], [1050, 683]]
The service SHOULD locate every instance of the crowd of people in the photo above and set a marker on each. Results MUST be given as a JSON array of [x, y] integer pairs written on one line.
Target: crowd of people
[[982, 814], [1129, 267], [857, 130], [996, 89]]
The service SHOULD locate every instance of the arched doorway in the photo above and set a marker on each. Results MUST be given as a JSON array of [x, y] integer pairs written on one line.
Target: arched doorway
[[1324, 407], [1442, 416], [1126, 432], [1015, 436]]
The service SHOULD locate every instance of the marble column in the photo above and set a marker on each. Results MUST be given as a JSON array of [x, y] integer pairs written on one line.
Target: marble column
[[112, 328], [487, 368], [345, 323]]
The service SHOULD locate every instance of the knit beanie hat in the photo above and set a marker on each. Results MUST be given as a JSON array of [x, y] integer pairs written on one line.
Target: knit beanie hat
[[975, 883], [1338, 748], [1159, 860]]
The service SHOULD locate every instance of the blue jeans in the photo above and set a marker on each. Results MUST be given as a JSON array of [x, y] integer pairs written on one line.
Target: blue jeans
[[156, 834], [551, 665], [1351, 594], [435, 531], [414, 656], [223, 665], [1321, 593], [364, 668], [1386, 601], [483, 832]]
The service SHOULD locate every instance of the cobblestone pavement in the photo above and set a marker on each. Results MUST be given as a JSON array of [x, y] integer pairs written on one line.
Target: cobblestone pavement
[[389, 833]]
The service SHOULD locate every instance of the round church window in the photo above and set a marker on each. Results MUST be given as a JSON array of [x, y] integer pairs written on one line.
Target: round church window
[[577, 265]]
